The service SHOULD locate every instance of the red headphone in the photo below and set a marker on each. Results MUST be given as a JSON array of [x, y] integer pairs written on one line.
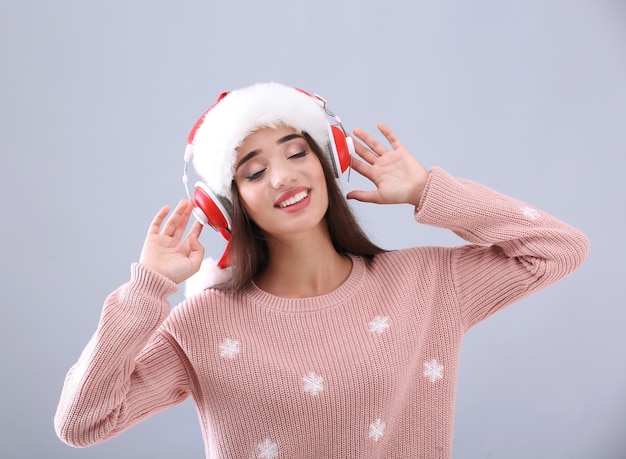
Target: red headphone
[[210, 209]]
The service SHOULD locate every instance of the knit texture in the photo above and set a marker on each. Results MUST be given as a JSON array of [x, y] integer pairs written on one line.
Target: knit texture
[[366, 371]]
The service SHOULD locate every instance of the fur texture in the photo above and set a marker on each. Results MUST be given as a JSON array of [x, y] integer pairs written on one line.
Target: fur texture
[[244, 111], [208, 275]]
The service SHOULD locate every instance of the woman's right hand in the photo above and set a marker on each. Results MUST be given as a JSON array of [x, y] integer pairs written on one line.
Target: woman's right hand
[[165, 251]]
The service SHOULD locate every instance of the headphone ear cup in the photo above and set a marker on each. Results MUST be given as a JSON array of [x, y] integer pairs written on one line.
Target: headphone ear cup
[[342, 148], [209, 210]]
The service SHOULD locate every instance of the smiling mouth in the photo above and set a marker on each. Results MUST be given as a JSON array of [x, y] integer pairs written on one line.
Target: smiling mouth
[[294, 199]]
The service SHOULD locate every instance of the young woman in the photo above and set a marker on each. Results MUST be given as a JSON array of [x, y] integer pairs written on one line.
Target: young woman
[[314, 343]]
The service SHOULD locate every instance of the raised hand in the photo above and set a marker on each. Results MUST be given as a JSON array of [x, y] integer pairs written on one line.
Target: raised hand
[[165, 251], [398, 176]]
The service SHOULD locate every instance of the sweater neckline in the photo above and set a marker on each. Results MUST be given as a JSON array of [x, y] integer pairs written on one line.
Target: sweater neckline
[[314, 303]]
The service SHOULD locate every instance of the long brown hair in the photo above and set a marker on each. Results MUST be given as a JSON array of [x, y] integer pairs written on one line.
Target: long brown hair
[[248, 248]]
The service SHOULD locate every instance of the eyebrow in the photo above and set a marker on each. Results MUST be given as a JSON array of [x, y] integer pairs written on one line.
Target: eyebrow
[[254, 153]]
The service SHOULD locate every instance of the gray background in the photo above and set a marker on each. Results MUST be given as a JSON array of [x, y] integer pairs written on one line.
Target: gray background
[[528, 97]]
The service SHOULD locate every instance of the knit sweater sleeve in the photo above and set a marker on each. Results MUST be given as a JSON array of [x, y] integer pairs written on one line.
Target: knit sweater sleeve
[[127, 371], [516, 249]]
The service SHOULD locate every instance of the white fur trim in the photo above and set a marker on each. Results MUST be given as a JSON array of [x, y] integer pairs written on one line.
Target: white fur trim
[[244, 111], [208, 275]]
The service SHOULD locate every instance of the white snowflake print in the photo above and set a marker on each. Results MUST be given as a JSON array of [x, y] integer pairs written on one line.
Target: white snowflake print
[[529, 212], [377, 429], [229, 348], [379, 324], [433, 370], [313, 384], [267, 449]]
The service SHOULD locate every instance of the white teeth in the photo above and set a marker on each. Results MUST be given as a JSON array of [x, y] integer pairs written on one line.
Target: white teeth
[[294, 199]]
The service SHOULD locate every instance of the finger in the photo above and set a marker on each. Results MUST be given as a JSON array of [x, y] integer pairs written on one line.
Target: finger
[[364, 152], [194, 232], [361, 167], [155, 224], [197, 250], [193, 245], [370, 141], [172, 225], [390, 136], [183, 220]]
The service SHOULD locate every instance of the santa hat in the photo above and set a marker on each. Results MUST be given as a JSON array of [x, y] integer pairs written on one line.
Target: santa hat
[[212, 143], [237, 114]]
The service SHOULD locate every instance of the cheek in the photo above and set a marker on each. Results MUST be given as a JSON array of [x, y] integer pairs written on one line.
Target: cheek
[[249, 199], [246, 198], [315, 166], [319, 176]]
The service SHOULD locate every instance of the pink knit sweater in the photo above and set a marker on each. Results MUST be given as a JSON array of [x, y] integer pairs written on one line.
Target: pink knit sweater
[[366, 371]]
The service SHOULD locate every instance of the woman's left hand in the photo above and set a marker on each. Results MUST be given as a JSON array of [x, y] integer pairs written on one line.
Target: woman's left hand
[[398, 176]]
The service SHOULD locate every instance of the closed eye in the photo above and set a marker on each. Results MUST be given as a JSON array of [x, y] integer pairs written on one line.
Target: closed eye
[[302, 154], [254, 176]]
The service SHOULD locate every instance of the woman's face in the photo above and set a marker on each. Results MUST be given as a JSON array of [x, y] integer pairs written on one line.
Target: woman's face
[[280, 181]]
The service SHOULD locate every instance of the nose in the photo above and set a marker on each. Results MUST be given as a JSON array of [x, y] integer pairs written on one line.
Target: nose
[[282, 174]]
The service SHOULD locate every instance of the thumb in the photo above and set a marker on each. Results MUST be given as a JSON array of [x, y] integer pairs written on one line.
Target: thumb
[[196, 249], [364, 196]]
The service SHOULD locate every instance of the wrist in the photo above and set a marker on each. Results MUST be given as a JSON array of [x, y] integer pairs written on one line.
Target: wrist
[[418, 191]]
